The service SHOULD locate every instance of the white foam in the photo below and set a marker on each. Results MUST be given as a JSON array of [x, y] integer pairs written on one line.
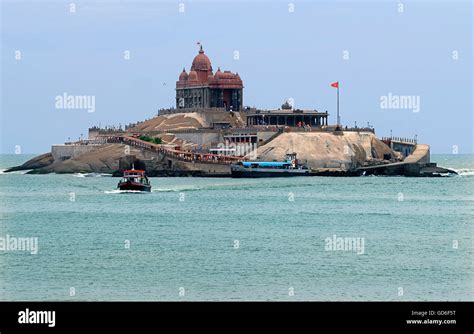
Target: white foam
[[118, 191], [91, 174], [182, 188], [17, 172], [465, 171]]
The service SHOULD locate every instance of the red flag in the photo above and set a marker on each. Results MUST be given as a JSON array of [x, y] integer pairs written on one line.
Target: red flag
[[335, 84]]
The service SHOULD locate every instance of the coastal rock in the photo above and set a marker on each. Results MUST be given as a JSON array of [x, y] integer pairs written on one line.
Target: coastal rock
[[39, 161], [319, 150], [104, 159], [327, 150]]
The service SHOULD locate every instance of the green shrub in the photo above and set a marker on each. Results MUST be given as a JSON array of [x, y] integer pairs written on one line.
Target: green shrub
[[151, 139]]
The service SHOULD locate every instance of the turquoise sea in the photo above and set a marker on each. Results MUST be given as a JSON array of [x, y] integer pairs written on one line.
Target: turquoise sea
[[239, 239]]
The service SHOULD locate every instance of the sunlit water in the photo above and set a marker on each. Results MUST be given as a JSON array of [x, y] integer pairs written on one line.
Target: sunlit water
[[185, 233]]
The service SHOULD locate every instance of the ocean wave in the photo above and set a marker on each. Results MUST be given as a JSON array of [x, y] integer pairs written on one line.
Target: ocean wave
[[230, 186], [465, 171], [17, 172], [91, 175]]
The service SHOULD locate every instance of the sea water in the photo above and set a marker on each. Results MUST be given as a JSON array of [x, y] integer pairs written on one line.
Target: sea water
[[239, 239]]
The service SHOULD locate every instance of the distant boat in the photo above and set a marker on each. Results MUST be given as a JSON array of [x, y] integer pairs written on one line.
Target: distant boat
[[290, 167], [134, 179]]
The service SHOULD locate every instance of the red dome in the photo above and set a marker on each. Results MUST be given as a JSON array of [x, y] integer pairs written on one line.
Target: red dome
[[201, 62], [183, 76], [192, 76], [227, 75]]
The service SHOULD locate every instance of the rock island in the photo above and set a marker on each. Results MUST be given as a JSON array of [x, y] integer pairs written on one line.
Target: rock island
[[210, 129]]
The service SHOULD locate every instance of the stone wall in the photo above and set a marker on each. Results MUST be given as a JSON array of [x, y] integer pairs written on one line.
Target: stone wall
[[404, 148], [64, 152], [202, 139]]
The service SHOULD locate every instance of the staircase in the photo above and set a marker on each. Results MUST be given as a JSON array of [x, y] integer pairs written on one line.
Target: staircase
[[174, 154]]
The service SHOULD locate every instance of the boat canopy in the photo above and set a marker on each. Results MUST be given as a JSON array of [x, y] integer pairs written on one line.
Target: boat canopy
[[265, 163], [133, 172]]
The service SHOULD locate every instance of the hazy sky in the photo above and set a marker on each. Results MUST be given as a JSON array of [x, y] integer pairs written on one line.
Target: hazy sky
[[423, 50]]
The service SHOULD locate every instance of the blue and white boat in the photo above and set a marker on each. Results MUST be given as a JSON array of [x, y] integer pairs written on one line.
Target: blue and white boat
[[290, 167]]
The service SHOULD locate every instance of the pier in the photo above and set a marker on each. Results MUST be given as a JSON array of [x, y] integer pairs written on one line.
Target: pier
[[416, 164]]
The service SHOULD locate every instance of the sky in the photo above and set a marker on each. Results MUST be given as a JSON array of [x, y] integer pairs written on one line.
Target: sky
[[414, 50]]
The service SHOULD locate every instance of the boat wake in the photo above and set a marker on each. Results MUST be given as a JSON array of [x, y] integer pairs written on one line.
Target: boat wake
[[118, 191], [177, 189], [465, 171]]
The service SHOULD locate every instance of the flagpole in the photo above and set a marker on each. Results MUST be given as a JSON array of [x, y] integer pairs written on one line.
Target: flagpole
[[338, 120], [338, 117]]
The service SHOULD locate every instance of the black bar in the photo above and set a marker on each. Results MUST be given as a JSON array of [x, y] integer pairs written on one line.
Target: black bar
[[324, 315]]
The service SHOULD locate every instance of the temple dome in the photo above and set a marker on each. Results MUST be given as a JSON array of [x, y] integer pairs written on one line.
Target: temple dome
[[201, 62], [183, 76], [192, 76], [227, 75]]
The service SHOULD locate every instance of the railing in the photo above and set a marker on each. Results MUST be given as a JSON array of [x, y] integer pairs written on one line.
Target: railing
[[411, 141], [244, 129], [187, 110], [366, 129], [95, 141], [326, 128], [179, 155], [171, 131], [255, 128]]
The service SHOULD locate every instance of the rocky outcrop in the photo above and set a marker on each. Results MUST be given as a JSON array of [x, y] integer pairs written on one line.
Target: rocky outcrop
[[40, 161], [191, 120], [104, 159], [114, 158], [171, 122], [320, 150], [327, 150]]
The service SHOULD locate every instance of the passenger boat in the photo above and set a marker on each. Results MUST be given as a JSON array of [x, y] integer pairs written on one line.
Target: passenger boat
[[290, 167], [134, 179]]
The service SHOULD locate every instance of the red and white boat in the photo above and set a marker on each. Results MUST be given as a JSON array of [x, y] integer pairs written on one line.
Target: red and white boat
[[134, 179]]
